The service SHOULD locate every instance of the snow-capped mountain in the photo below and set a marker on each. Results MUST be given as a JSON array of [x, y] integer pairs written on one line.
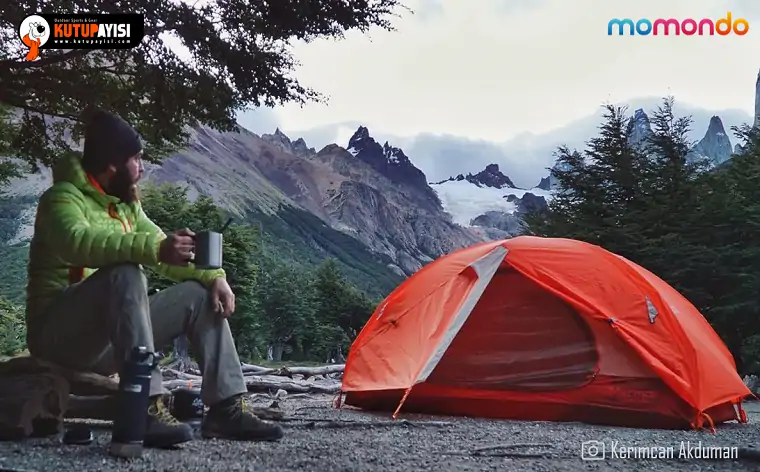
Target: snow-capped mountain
[[489, 201], [488, 177]]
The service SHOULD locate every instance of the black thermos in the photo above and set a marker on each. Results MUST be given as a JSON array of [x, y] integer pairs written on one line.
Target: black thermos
[[132, 403]]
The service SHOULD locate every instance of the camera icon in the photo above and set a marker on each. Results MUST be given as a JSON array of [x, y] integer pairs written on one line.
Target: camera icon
[[593, 451]]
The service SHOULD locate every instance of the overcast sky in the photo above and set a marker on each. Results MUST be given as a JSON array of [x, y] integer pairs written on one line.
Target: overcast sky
[[493, 69]]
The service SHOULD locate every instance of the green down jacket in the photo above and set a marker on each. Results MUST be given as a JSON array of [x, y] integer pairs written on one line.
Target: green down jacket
[[78, 228]]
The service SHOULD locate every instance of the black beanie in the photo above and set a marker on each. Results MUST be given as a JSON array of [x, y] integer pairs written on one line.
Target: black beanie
[[108, 140]]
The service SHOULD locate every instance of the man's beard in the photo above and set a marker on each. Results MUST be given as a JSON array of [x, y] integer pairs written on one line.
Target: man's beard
[[123, 187]]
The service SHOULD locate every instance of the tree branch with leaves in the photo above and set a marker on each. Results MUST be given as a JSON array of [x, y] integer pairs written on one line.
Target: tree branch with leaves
[[239, 56]]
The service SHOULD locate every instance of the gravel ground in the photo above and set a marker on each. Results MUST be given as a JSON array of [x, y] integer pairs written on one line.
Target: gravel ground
[[317, 446]]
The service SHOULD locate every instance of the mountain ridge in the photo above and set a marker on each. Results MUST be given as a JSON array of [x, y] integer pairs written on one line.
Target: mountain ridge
[[441, 156]]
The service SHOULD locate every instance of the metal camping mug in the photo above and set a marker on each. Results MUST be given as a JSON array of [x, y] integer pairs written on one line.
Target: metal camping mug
[[208, 250]]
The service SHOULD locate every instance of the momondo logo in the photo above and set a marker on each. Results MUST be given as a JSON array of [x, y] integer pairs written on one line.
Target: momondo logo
[[671, 26], [34, 32]]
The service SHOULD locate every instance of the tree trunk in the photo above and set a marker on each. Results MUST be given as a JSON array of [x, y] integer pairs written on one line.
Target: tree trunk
[[275, 351], [182, 354], [336, 356]]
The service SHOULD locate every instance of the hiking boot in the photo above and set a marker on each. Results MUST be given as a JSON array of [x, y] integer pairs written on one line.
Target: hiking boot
[[233, 419], [164, 430]]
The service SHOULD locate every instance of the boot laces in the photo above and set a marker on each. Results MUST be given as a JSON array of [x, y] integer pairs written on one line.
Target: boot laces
[[161, 413], [243, 406]]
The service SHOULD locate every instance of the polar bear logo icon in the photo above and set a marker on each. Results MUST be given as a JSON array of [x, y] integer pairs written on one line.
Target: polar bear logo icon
[[34, 32]]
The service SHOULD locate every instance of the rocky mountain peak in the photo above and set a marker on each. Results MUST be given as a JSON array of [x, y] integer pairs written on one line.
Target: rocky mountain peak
[[361, 134], [639, 127], [549, 183], [715, 146], [394, 155], [390, 161], [716, 126], [491, 176], [280, 140], [545, 183], [528, 203]]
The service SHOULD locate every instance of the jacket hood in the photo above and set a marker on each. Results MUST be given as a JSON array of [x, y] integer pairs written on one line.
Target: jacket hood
[[69, 169]]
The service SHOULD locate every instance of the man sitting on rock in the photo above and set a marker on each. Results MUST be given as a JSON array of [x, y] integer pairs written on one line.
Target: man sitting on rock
[[87, 295]]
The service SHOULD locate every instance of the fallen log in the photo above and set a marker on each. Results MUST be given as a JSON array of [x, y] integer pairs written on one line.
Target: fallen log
[[260, 384], [255, 383], [252, 369], [81, 383], [175, 384], [306, 372], [172, 374]]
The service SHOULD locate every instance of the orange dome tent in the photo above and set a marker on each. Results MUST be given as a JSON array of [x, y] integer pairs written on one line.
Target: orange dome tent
[[543, 329]]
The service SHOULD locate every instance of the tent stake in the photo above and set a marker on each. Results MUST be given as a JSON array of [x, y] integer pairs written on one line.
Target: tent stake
[[403, 399]]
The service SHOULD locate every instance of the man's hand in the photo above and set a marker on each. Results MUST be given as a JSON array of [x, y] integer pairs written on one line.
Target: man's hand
[[177, 248], [222, 298]]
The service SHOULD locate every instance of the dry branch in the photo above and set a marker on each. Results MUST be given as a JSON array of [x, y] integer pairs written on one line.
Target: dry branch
[[173, 374], [515, 455], [305, 372], [509, 446], [492, 451], [256, 383], [308, 372], [255, 369], [332, 423], [264, 383]]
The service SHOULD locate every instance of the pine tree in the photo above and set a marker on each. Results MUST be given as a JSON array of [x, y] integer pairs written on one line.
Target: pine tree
[[597, 188], [286, 308], [331, 309], [12, 328], [730, 221]]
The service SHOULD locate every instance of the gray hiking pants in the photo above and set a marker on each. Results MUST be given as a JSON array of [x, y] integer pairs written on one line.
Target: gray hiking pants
[[94, 324]]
